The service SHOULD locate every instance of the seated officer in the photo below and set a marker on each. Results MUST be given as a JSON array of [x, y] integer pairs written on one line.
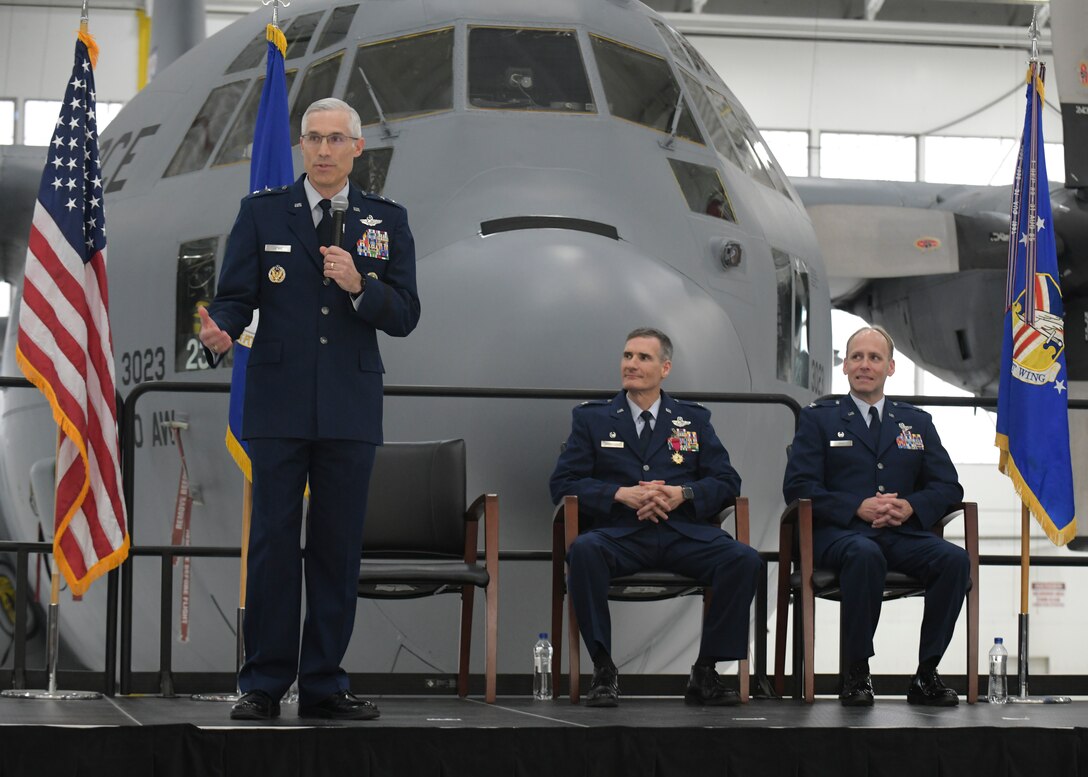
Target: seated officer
[[651, 475], [879, 478]]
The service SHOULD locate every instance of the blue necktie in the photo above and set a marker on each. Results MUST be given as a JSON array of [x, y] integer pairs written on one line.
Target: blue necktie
[[874, 427], [644, 436]]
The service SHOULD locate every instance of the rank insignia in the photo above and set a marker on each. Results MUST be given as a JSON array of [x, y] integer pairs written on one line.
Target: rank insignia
[[677, 458], [373, 244], [370, 221], [277, 274]]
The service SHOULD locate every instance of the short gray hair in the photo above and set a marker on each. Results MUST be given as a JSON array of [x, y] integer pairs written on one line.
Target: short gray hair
[[880, 331], [657, 334], [355, 124]]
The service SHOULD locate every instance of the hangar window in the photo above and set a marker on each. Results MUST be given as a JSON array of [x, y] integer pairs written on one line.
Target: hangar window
[[868, 156], [640, 87], [239, 143], [316, 84], [409, 76], [302, 32], [371, 169], [206, 129], [195, 289], [336, 28], [7, 122], [790, 149], [527, 70], [792, 277], [703, 189]]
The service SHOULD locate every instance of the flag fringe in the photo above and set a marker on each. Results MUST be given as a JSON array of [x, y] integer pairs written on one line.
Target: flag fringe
[[92, 46], [238, 453], [274, 35], [78, 585], [1007, 465]]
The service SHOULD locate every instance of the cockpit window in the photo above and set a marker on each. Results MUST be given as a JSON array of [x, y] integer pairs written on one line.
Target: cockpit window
[[718, 136], [371, 169], [195, 290], [206, 129], [409, 76], [698, 61], [302, 31], [336, 28], [254, 52], [734, 122], [316, 84], [239, 142], [670, 36], [640, 87], [703, 189], [794, 348], [527, 70]]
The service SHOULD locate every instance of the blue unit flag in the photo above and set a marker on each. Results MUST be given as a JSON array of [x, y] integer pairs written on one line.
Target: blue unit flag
[[1032, 403]]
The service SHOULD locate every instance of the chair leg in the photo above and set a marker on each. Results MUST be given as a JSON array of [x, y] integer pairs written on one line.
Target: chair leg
[[808, 618], [780, 629], [467, 596], [559, 589], [744, 681], [575, 653], [491, 655]]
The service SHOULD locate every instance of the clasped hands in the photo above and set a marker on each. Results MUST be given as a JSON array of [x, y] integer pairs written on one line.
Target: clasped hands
[[651, 500], [885, 511]]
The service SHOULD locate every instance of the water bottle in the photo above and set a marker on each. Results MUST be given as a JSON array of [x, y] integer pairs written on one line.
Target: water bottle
[[999, 682], [542, 669]]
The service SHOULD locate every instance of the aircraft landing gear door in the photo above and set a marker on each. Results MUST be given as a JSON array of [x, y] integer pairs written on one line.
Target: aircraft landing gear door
[[793, 349]]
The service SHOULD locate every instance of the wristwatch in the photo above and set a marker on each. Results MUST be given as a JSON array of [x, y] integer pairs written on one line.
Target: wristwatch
[[687, 492]]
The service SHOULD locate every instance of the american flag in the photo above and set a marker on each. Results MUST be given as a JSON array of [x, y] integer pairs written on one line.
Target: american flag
[[64, 344]]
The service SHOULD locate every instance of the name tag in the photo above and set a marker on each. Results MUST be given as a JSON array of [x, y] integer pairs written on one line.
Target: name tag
[[611, 443], [277, 249], [840, 443]]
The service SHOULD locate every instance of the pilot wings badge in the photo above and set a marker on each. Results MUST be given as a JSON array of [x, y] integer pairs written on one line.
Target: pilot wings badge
[[1037, 345], [370, 221]]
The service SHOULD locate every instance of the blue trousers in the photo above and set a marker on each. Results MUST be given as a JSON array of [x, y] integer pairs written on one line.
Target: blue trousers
[[729, 568], [338, 472], [862, 563]]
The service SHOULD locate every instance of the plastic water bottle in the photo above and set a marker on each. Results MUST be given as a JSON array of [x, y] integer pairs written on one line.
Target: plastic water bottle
[[542, 669], [999, 682]]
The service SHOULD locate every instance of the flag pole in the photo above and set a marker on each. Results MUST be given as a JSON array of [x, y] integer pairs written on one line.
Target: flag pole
[[52, 629], [1029, 228]]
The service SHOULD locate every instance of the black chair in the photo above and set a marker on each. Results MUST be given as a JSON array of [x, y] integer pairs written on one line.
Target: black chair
[[797, 576], [646, 586], [420, 540]]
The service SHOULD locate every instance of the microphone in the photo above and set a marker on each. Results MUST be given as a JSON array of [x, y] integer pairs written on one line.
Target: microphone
[[339, 207]]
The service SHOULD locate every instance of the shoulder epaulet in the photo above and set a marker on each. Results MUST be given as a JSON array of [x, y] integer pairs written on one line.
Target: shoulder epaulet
[[689, 403], [380, 198], [900, 405], [825, 403], [591, 402], [267, 192]]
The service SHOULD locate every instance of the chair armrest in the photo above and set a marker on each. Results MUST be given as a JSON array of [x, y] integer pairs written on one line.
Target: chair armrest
[[486, 507], [736, 508]]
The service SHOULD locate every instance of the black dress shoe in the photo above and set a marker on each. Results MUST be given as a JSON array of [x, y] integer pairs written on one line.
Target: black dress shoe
[[927, 688], [604, 690], [857, 688], [255, 705], [706, 687], [342, 705]]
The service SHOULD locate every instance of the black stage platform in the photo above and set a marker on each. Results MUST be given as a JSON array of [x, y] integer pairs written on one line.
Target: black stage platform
[[520, 737]]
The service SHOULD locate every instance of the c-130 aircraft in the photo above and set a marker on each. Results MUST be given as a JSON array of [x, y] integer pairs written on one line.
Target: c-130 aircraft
[[570, 172]]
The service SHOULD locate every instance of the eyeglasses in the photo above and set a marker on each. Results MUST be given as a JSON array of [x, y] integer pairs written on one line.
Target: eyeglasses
[[336, 140]]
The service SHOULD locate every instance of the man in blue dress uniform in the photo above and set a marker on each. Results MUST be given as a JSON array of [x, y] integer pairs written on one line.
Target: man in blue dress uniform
[[879, 479], [313, 405], [651, 476]]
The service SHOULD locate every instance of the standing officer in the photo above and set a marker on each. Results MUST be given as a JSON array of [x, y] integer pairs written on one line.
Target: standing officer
[[313, 405], [879, 478], [652, 476]]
